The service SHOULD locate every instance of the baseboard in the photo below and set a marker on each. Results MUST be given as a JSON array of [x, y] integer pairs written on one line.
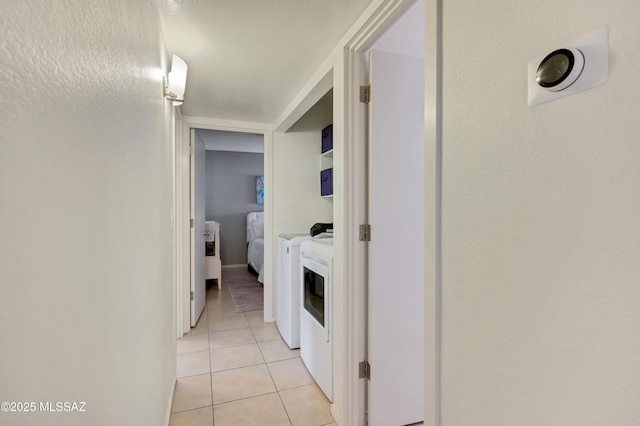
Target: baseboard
[[173, 394], [240, 265], [335, 414]]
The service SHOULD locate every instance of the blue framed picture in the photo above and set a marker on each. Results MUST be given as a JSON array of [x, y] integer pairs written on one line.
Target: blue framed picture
[[260, 189]]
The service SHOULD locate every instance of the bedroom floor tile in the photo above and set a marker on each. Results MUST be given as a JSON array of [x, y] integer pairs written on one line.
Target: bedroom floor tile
[[235, 369]]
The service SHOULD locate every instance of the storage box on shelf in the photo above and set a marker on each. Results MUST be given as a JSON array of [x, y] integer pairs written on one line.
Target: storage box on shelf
[[326, 163]]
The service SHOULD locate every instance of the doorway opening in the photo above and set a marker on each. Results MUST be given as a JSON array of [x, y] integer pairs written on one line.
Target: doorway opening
[[384, 293], [225, 192], [221, 136]]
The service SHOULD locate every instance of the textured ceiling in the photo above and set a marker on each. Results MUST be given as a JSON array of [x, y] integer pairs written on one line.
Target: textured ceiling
[[248, 58]]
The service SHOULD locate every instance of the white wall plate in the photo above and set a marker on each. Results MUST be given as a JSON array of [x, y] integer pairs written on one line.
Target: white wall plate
[[595, 48]]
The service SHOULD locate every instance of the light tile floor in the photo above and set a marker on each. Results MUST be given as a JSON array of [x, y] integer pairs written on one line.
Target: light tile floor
[[235, 370]]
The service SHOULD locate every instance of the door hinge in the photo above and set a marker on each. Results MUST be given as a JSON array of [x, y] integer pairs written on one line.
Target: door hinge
[[364, 370], [191, 223], [365, 94], [191, 150], [193, 296], [365, 232]]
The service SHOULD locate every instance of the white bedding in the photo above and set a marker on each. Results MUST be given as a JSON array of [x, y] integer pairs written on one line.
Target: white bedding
[[255, 254], [255, 238]]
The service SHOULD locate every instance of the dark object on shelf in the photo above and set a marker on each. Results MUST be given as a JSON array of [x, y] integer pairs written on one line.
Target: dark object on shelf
[[326, 182], [327, 138]]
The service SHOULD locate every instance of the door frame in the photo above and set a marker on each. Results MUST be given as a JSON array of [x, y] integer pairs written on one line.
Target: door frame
[[196, 237], [356, 205], [184, 214]]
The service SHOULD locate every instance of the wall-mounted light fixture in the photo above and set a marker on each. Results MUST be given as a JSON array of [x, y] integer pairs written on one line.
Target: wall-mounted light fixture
[[176, 82], [579, 65]]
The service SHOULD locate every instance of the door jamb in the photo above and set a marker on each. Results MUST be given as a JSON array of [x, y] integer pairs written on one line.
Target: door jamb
[[355, 319], [433, 210]]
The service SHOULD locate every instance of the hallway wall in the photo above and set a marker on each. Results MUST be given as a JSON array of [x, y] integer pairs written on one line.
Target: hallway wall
[[86, 288], [541, 222]]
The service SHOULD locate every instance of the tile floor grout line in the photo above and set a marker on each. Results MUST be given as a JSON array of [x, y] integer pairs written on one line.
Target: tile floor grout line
[[223, 303], [279, 397], [245, 398]]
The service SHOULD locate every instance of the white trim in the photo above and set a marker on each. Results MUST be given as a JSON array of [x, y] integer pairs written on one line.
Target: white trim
[[192, 229], [375, 17], [433, 211], [226, 125], [314, 90], [190, 122], [355, 320], [383, 17], [185, 208], [177, 220], [355, 253], [170, 405]]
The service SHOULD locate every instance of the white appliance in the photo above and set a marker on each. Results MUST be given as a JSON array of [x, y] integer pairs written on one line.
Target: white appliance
[[316, 313], [288, 287]]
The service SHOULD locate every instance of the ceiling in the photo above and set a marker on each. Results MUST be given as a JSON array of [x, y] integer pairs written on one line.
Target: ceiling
[[247, 59]]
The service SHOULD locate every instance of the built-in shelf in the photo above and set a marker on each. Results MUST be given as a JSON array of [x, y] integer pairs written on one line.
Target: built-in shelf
[[326, 161]]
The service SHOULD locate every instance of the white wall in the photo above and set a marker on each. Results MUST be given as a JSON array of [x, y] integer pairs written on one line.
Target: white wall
[[541, 222], [86, 291], [219, 140], [296, 163], [296, 172]]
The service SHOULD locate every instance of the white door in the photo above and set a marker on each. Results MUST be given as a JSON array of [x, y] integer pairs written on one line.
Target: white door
[[396, 214], [198, 282]]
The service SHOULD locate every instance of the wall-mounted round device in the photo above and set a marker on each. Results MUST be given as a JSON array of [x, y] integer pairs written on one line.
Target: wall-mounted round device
[[560, 69], [580, 65]]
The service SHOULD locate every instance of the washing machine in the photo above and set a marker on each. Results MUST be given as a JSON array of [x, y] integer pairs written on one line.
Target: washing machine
[[316, 313], [288, 287]]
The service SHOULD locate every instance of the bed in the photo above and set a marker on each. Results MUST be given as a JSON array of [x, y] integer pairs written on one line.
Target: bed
[[255, 241]]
